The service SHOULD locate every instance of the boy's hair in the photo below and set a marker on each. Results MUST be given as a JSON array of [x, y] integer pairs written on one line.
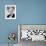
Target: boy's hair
[[10, 7]]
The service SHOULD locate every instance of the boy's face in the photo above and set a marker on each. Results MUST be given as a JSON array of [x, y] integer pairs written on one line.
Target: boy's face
[[11, 10]]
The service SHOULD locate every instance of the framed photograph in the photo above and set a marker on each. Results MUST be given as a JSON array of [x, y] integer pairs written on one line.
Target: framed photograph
[[10, 11]]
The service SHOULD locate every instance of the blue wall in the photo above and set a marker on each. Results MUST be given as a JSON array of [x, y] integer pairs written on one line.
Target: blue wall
[[27, 12], [31, 11]]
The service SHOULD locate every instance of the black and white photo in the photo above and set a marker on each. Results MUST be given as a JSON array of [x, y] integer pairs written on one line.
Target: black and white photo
[[10, 11]]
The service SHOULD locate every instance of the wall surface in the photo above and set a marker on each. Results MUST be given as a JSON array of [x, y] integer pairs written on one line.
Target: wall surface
[[6, 26], [27, 12]]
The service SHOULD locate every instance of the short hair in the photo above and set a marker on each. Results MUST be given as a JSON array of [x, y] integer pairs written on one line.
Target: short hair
[[10, 7]]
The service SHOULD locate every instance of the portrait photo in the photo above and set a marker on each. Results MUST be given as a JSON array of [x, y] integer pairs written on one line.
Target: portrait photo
[[10, 11]]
